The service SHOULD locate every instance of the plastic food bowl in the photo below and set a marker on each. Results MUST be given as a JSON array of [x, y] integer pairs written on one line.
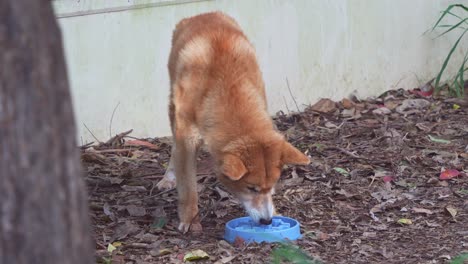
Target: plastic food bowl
[[281, 229]]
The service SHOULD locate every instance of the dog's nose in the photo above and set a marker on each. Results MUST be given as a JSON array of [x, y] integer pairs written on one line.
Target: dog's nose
[[265, 221]]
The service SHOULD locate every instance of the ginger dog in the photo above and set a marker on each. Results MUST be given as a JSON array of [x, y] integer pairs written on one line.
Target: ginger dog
[[218, 97]]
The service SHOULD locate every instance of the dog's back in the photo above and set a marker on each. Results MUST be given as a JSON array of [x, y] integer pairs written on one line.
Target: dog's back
[[215, 78]]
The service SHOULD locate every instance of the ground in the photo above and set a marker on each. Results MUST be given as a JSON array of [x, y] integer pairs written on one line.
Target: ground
[[382, 187]]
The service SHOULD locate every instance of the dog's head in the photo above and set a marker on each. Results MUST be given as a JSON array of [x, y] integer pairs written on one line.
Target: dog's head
[[250, 168]]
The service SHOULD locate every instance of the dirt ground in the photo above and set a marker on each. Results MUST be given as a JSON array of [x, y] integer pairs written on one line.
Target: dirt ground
[[373, 193]]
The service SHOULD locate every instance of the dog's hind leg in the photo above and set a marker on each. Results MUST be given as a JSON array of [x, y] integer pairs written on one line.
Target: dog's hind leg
[[169, 180]]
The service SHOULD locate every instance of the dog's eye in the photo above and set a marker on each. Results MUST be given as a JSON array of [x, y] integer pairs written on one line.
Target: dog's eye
[[252, 189]]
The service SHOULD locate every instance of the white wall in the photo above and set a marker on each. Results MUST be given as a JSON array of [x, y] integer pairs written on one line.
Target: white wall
[[324, 48]]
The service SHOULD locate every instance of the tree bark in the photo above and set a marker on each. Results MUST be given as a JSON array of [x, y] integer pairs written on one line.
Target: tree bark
[[43, 203]]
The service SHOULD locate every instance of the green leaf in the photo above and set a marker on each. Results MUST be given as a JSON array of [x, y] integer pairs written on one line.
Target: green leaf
[[159, 222], [291, 254], [453, 27], [342, 171], [447, 11], [438, 140], [444, 65]]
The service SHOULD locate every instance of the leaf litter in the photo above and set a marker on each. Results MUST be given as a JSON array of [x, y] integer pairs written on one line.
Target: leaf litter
[[387, 183]]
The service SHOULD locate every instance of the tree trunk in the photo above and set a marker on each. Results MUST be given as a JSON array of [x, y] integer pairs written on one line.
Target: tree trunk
[[43, 203]]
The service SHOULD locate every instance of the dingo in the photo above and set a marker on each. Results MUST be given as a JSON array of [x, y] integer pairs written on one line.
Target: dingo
[[218, 97]]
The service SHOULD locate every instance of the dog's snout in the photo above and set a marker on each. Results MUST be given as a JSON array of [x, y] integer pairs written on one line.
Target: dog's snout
[[264, 221]]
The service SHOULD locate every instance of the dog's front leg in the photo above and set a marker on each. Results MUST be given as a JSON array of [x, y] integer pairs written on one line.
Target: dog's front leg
[[185, 170]]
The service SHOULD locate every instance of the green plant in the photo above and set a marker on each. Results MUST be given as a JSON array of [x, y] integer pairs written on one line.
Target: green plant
[[291, 254], [461, 23], [460, 259]]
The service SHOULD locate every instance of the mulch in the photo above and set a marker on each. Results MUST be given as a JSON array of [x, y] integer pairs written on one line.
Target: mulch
[[373, 192]]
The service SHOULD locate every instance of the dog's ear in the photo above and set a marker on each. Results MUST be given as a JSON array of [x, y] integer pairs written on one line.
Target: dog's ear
[[291, 155], [233, 167]]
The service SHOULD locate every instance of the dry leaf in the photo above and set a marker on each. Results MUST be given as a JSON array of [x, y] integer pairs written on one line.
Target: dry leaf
[[405, 221], [134, 210], [324, 106], [449, 174], [452, 211], [347, 104], [197, 254], [422, 211]]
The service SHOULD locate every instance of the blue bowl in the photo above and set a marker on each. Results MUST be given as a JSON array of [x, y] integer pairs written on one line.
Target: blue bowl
[[281, 229]]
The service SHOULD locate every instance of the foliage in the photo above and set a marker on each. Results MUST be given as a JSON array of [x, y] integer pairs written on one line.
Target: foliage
[[460, 259], [461, 24], [291, 254]]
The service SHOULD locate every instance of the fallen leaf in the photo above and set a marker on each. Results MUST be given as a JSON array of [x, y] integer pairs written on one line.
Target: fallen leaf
[[405, 221], [117, 244], [452, 211], [134, 210], [455, 106], [197, 254], [329, 124], [449, 174], [324, 105], [423, 93], [225, 260], [108, 212], [110, 248], [123, 230], [382, 111], [345, 193], [159, 222], [342, 171], [160, 252], [221, 213], [351, 114], [347, 104], [438, 140], [422, 211], [388, 178], [412, 104], [239, 242], [130, 188], [93, 157]]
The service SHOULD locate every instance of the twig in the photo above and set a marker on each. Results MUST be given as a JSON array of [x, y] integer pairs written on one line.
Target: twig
[[92, 134], [289, 88], [286, 104], [151, 196], [85, 146], [113, 151], [112, 117], [118, 137], [347, 153]]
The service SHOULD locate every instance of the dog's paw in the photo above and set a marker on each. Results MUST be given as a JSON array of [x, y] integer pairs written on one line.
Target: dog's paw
[[166, 184], [193, 227]]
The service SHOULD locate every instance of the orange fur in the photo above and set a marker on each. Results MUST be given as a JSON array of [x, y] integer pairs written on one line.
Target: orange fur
[[218, 96]]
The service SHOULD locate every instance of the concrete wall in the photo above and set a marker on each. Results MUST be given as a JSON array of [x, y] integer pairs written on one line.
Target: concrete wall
[[117, 52]]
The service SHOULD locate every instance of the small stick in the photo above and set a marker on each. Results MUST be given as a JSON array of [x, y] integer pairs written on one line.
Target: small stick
[[85, 146], [289, 88], [112, 117], [92, 134], [285, 104], [347, 152], [113, 151]]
